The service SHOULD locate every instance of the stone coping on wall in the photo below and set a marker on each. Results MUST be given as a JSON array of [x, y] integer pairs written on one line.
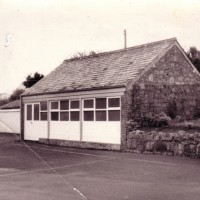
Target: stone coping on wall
[[79, 144]]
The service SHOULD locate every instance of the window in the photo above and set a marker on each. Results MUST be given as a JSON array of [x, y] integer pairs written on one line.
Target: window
[[43, 111], [43, 105], [88, 109], [43, 116], [113, 115], [54, 116], [74, 110], [64, 105], [74, 104], [54, 105], [105, 109], [36, 112], [88, 103], [64, 116], [29, 112], [88, 115], [65, 110], [101, 115], [113, 102], [100, 103], [55, 111], [113, 109], [74, 115]]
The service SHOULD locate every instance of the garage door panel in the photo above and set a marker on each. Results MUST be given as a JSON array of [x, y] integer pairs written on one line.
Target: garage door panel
[[35, 130], [65, 130], [103, 132]]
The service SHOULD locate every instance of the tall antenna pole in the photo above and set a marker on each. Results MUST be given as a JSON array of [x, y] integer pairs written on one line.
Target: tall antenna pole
[[125, 39]]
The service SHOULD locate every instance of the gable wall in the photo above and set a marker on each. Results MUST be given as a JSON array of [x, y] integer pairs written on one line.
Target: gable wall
[[170, 82]]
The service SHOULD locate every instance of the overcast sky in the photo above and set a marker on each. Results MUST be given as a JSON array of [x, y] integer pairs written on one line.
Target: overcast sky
[[37, 35]]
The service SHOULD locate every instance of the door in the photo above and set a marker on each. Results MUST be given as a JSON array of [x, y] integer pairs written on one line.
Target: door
[[35, 126], [65, 120], [101, 120]]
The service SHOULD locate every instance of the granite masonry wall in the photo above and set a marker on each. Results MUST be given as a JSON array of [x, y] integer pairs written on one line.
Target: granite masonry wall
[[181, 101], [166, 141], [171, 86], [126, 107]]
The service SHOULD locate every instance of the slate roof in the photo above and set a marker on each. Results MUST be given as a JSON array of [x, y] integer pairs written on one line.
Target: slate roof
[[104, 70], [12, 105]]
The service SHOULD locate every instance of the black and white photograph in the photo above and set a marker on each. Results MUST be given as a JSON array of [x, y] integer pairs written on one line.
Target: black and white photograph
[[99, 100]]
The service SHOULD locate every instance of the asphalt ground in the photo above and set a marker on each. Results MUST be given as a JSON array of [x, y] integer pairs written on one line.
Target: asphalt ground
[[33, 171]]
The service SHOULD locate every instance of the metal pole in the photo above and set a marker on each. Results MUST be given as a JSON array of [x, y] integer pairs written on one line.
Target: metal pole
[[125, 39]]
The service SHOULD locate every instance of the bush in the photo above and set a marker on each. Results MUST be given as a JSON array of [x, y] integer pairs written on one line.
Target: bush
[[172, 109], [158, 120]]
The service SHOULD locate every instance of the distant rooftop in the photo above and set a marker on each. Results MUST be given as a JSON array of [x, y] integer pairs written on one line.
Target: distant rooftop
[[12, 105]]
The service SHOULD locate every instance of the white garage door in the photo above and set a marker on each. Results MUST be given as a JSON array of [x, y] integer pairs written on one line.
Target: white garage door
[[35, 126], [92, 120], [65, 120], [101, 120]]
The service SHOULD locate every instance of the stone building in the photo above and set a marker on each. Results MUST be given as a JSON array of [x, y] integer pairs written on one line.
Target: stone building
[[88, 102]]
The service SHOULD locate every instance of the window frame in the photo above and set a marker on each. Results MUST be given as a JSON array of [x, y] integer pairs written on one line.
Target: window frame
[[74, 110], [88, 109], [43, 111], [107, 109], [66, 100], [31, 112], [114, 108], [64, 110], [102, 109], [55, 110], [69, 110]]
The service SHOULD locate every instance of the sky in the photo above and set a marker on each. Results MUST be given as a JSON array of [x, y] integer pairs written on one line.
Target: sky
[[37, 35]]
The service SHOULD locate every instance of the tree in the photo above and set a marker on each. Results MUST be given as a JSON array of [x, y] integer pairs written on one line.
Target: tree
[[16, 94], [194, 56], [31, 80], [80, 55]]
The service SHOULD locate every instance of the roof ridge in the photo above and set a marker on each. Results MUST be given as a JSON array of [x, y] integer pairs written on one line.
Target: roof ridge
[[120, 50]]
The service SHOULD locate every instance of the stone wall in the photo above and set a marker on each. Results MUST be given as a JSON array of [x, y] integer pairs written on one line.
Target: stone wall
[[173, 68], [126, 107], [181, 101], [168, 142], [171, 84]]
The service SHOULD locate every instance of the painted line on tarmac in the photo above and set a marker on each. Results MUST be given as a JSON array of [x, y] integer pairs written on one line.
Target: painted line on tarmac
[[53, 169], [134, 159], [80, 193], [48, 169], [94, 155], [71, 152], [150, 161], [30, 191]]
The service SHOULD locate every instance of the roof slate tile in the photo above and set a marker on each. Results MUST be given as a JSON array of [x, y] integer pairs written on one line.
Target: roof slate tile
[[108, 69]]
